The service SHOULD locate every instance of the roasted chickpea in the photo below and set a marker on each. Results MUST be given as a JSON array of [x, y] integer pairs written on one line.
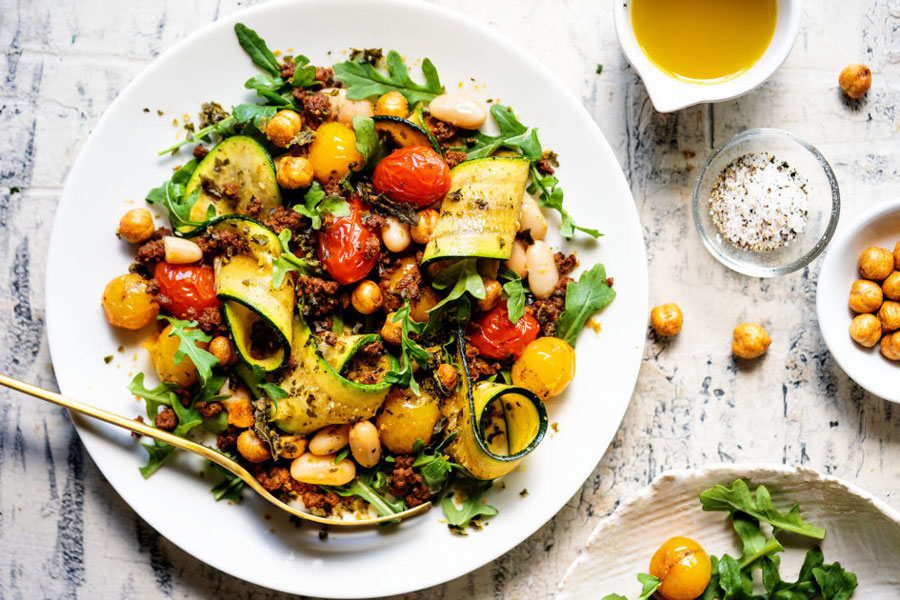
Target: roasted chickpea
[[127, 303], [750, 340], [221, 348], [492, 291], [876, 263], [890, 346], [162, 351], [545, 367], [666, 319], [405, 418], [418, 308], [421, 232], [855, 80], [251, 447], [333, 153], [683, 569], [292, 446], [447, 376], [865, 296], [390, 331], [293, 172], [392, 104], [889, 315], [897, 256], [891, 286], [136, 226], [283, 127], [366, 297], [865, 330]]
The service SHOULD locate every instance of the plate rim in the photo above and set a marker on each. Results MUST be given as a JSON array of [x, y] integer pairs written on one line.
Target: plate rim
[[481, 29]]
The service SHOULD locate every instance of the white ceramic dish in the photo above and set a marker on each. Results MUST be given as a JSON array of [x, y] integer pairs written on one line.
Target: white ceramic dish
[[879, 226], [669, 94], [105, 181], [862, 533]]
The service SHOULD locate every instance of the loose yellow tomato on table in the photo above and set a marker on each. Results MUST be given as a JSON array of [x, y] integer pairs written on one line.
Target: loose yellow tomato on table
[[682, 567]]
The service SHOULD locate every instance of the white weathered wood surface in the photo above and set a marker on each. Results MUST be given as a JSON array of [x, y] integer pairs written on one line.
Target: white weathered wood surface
[[65, 533]]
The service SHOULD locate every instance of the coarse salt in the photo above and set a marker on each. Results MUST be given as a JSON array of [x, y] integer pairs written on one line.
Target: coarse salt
[[759, 203]]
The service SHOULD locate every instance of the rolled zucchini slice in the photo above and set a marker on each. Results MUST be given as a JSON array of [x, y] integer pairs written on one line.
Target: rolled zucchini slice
[[244, 284], [235, 173], [496, 425], [319, 393], [480, 215]]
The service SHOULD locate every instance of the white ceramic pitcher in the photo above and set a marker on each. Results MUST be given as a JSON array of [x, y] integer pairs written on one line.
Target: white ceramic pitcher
[[669, 94]]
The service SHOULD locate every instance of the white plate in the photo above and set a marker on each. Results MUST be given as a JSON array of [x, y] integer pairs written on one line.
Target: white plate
[[862, 533], [118, 165], [879, 226]]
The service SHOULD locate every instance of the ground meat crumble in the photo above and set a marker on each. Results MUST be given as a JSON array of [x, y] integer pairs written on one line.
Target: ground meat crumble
[[320, 297], [315, 498], [547, 311], [407, 484], [166, 420]]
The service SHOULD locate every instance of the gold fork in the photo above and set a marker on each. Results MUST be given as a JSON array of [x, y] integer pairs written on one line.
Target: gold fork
[[207, 453]]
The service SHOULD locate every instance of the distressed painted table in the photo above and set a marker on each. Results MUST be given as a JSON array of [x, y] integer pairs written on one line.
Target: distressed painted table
[[64, 532]]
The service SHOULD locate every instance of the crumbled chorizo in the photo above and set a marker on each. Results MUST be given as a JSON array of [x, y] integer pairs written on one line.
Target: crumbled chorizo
[[227, 439], [166, 420], [320, 296], [200, 151], [441, 130], [218, 242], [454, 157], [273, 478], [286, 218], [547, 311], [408, 484], [565, 263], [315, 498], [316, 107], [209, 410]]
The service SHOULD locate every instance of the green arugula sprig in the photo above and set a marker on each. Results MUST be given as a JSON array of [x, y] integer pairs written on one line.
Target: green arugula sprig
[[649, 585], [256, 47], [171, 195], [368, 143], [515, 292], [287, 261], [583, 298], [433, 466], [188, 334], [271, 86], [242, 115], [363, 80], [363, 487], [550, 195], [463, 276], [316, 205], [230, 487], [471, 507], [739, 498], [410, 351]]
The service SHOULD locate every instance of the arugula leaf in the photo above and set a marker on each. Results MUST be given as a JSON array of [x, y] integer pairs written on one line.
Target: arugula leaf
[[362, 487], [187, 332], [583, 298], [465, 278], [241, 116], [253, 114], [834, 582], [230, 487], [364, 80], [550, 195], [434, 467], [756, 545], [317, 205], [161, 395], [740, 499], [304, 73], [257, 49], [171, 195], [367, 142], [287, 261], [515, 292], [409, 351], [158, 452], [650, 585], [736, 583], [471, 507], [273, 391]]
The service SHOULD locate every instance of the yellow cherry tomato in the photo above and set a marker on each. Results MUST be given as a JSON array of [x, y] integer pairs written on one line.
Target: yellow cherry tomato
[[162, 352], [546, 367], [127, 303], [682, 567], [405, 418], [333, 153]]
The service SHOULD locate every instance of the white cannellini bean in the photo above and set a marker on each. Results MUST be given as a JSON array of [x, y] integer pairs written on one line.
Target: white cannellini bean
[[542, 272], [180, 251], [343, 110], [329, 440], [365, 446], [531, 218], [516, 261], [321, 470], [395, 235], [458, 110]]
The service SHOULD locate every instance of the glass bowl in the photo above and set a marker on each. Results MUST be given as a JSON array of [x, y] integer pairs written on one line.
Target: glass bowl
[[824, 204]]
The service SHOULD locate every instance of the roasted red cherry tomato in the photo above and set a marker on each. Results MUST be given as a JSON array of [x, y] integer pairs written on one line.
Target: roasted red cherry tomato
[[495, 337], [185, 287], [415, 175], [347, 248]]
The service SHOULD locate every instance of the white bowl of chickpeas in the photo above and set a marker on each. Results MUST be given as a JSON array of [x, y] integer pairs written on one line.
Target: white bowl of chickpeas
[[858, 300]]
